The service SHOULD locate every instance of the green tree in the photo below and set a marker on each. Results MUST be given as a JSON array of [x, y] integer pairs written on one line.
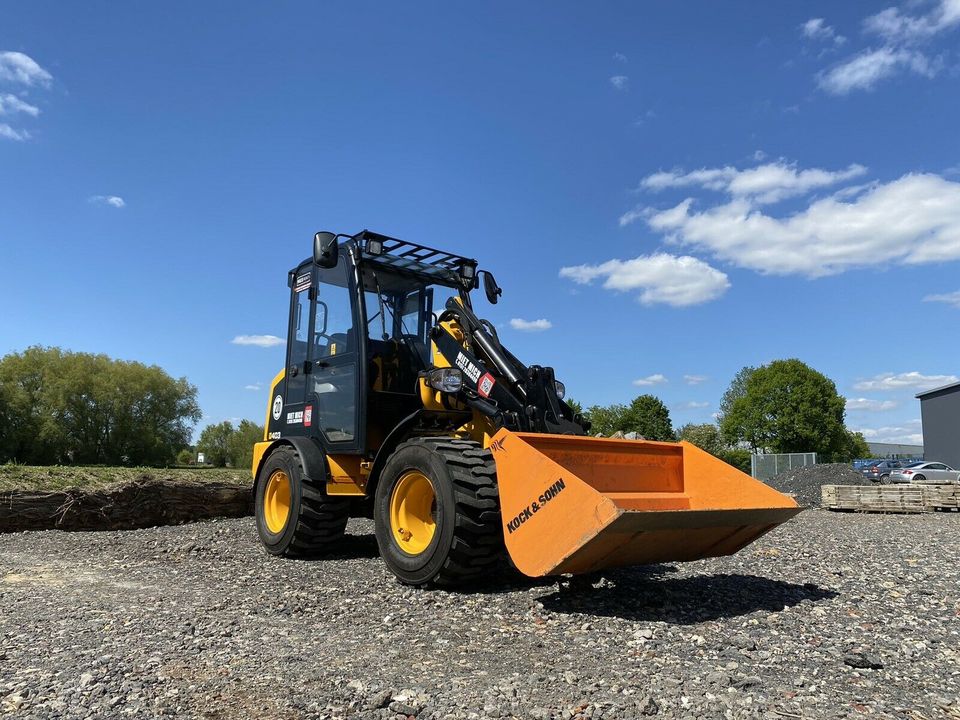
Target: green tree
[[574, 405], [606, 420], [241, 442], [649, 417], [186, 457], [736, 390], [740, 458], [706, 437], [856, 447], [214, 443], [787, 407], [59, 406]]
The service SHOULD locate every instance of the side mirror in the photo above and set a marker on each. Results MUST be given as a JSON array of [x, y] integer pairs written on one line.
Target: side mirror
[[325, 249], [490, 287]]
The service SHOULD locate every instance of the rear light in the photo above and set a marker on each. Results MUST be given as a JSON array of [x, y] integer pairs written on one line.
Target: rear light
[[906, 472]]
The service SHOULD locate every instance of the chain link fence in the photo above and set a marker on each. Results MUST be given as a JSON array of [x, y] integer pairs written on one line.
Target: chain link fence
[[764, 467]]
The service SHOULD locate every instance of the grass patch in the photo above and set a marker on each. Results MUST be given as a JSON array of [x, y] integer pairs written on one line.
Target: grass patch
[[60, 477]]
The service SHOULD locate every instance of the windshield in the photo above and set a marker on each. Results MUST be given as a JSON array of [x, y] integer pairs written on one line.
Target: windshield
[[401, 309]]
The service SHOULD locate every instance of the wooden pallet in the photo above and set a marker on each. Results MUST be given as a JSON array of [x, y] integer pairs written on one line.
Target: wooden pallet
[[916, 498]]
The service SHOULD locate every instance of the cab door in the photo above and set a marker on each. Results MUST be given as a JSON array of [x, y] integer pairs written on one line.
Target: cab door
[[334, 397], [288, 412]]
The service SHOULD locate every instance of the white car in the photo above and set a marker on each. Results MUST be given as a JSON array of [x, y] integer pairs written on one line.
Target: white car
[[929, 472]]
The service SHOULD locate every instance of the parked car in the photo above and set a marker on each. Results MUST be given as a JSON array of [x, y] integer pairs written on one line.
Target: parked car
[[931, 472], [880, 470]]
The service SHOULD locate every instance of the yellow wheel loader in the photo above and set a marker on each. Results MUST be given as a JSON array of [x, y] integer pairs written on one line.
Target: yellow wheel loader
[[399, 403]]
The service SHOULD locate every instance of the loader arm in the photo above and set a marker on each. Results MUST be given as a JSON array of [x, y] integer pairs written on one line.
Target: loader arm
[[497, 385]]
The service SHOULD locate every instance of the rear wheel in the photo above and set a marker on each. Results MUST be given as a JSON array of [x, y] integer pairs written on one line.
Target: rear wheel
[[295, 517], [437, 512], [884, 479], [919, 478]]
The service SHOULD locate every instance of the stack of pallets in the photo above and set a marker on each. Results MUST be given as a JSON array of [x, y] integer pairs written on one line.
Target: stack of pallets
[[915, 498]]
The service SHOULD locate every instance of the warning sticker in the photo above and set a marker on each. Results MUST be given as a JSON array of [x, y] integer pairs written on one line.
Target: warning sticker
[[485, 385], [307, 415], [302, 283]]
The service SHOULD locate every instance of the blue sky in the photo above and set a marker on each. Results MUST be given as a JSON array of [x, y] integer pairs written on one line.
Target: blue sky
[[665, 192]]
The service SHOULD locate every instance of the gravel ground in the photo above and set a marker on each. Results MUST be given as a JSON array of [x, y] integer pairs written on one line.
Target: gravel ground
[[832, 615], [804, 482]]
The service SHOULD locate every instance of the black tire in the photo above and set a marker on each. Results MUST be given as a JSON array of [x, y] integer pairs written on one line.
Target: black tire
[[467, 542], [885, 479], [919, 478], [315, 522]]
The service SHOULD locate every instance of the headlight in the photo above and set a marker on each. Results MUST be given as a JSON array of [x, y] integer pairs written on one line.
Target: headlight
[[445, 379], [561, 389]]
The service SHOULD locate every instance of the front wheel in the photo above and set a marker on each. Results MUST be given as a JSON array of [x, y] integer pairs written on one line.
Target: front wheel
[[884, 479], [437, 512], [295, 516]]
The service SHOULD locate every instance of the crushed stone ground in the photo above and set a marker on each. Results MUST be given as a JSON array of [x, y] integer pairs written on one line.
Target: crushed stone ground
[[831, 615]]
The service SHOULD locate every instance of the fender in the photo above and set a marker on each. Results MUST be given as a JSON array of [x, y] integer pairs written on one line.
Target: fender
[[396, 436], [311, 456]]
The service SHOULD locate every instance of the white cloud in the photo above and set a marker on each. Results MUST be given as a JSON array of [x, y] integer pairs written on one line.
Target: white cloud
[[902, 35], [11, 104], [620, 82], [620, 57], [530, 325], [660, 278], [19, 68], [895, 27], [952, 298], [914, 220], [253, 386], [908, 433], [905, 381], [693, 405], [13, 134], [870, 405], [642, 119], [864, 71], [111, 200], [694, 379], [657, 379], [762, 184], [258, 340], [817, 29]]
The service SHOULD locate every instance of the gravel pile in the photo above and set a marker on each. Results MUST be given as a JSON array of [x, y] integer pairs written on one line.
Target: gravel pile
[[804, 482], [828, 616]]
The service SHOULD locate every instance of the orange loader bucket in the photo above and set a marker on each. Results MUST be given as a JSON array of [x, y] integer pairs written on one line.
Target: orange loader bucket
[[580, 504]]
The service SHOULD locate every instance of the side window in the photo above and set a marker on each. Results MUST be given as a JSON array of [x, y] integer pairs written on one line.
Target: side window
[[333, 332], [300, 332]]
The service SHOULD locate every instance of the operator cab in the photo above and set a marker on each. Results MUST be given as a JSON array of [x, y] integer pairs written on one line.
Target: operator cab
[[361, 312]]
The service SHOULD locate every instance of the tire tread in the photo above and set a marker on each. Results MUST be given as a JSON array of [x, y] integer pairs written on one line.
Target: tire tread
[[477, 547]]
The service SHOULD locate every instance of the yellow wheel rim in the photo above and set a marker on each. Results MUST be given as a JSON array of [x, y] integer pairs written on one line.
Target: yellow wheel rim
[[276, 501], [412, 506]]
